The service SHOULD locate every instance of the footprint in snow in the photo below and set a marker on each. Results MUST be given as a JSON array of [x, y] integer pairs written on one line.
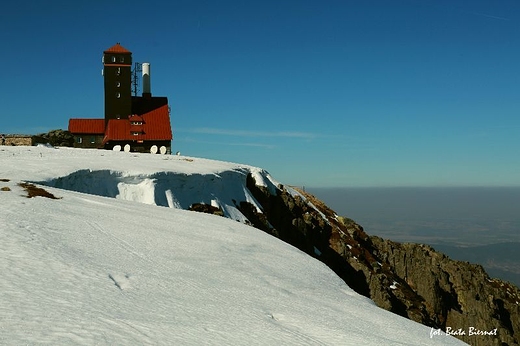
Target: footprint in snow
[[121, 281]]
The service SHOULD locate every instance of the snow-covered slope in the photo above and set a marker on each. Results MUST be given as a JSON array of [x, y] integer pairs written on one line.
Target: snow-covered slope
[[85, 269], [172, 181]]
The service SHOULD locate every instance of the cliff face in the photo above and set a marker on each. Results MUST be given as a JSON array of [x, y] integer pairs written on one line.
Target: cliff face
[[411, 280], [460, 294]]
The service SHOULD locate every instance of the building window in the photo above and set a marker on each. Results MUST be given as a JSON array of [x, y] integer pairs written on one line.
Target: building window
[[113, 59], [79, 140], [92, 140], [118, 116], [118, 71], [118, 84], [118, 95], [135, 133], [122, 59]]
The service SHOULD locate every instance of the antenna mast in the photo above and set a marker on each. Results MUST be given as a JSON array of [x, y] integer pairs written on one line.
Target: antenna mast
[[135, 77]]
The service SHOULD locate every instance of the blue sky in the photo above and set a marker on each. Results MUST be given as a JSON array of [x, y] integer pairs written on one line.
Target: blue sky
[[319, 93]]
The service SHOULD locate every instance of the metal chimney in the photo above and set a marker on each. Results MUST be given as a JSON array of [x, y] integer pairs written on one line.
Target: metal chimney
[[147, 92]]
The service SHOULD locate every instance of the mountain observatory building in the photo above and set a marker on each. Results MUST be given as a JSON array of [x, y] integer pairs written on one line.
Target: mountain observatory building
[[131, 123]]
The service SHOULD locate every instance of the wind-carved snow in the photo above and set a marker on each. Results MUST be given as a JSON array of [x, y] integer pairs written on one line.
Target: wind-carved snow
[[90, 270], [263, 178], [143, 192], [168, 189]]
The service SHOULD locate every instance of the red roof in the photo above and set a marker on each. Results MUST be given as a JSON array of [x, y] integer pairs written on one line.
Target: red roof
[[117, 48], [136, 117], [87, 126], [156, 126]]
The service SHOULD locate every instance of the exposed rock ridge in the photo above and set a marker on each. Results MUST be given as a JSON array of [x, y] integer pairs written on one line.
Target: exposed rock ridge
[[56, 138], [411, 280]]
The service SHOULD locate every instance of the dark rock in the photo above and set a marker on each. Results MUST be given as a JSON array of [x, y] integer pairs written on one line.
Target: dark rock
[[56, 138], [459, 294], [206, 208]]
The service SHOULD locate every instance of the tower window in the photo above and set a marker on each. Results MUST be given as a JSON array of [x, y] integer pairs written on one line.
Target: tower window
[[122, 59], [113, 59], [118, 71], [118, 84], [79, 140], [118, 95]]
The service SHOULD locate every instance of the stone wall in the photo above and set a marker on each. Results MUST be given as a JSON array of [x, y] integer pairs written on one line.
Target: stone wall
[[56, 138], [18, 140]]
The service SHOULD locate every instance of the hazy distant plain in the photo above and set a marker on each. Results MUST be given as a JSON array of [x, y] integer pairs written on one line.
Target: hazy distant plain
[[476, 224]]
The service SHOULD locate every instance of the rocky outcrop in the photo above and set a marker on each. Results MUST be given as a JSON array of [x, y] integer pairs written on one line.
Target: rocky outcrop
[[411, 280], [206, 208], [461, 295], [56, 138]]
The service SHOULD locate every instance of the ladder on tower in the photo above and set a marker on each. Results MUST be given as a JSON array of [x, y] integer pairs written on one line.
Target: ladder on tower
[[138, 68]]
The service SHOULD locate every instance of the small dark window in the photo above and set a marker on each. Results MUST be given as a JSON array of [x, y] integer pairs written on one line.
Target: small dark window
[[122, 59], [113, 59], [118, 95], [79, 140], [92, 139], [118, 71], [118, 84]]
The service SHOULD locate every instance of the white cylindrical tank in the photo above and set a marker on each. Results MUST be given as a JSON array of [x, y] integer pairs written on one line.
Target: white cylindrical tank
[[146, 78]]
